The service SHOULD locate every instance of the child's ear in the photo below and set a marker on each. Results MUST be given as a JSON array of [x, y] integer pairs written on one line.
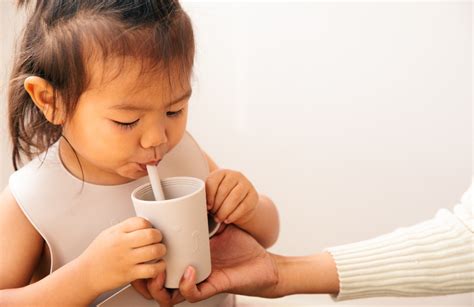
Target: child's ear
[[42, 94]]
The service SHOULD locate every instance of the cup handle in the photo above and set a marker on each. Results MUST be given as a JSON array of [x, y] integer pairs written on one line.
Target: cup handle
[[212, 225]]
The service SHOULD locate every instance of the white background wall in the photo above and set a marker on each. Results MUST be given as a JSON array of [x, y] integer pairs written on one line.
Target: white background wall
[[355, 117], [9, 26]]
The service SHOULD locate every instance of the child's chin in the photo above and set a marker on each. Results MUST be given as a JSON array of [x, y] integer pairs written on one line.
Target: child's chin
[[134, 174]]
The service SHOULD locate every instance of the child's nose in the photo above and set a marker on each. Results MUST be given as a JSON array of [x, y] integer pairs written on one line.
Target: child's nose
[[154, 136]]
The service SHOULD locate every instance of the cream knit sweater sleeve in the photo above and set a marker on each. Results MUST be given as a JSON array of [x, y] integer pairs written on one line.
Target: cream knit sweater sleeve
[[434, 257]]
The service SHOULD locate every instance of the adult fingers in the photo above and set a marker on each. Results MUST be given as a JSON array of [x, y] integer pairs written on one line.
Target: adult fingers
[[158, 291], [140, 286], [177, 297], [190, 291]]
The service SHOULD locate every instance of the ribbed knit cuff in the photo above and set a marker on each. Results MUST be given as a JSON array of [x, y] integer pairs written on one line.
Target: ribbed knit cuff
[[431, 258]]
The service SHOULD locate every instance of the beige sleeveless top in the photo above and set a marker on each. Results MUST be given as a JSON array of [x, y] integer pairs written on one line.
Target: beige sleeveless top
[[69, 213]]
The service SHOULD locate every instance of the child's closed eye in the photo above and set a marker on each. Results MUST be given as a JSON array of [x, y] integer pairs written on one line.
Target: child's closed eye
[[174, 113], [126, 125]]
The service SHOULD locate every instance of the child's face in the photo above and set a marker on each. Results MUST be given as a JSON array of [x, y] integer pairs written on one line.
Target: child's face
[[123, 123]]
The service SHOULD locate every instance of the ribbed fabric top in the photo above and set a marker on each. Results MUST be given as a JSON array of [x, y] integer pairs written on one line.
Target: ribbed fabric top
[[434, 257]]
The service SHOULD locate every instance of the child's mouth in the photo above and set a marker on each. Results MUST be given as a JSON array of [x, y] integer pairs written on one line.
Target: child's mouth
[[143, 165]]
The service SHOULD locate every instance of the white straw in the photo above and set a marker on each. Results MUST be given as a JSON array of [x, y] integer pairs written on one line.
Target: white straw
[[155, 182]]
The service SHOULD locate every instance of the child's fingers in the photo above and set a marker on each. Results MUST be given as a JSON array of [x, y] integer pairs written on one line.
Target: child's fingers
[[212, 185], [140, 287], [233, 200], [149, 252], [133, 224], [144, 237], [247, 205], [225, 188], [148, 270], [239, 212]]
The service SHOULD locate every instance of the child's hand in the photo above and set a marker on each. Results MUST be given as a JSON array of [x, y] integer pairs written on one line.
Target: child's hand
[[120, 254], [231, 197]]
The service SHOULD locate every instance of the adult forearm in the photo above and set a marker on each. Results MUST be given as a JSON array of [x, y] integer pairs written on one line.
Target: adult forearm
[[264, 226], [66, 286], [434, 257], [308, 274]]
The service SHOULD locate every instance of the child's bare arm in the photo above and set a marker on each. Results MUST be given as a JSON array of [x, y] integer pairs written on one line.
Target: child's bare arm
[[20, 244], [233, 199], [66, 286], [21, 247]]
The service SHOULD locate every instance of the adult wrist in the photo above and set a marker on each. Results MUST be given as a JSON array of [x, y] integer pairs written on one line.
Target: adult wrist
[[282, 271], [307, 274]]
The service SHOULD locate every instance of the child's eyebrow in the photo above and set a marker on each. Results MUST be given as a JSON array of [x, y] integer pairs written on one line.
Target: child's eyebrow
[[132, 107]]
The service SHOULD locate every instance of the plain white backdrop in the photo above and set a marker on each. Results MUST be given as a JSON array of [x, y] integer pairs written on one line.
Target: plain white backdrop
[[354, 117]]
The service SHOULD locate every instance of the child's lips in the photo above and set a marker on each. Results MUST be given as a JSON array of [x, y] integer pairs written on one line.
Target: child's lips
[[143, 165]]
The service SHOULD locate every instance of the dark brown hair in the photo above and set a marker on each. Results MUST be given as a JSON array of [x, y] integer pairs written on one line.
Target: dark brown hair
[[62, 36]]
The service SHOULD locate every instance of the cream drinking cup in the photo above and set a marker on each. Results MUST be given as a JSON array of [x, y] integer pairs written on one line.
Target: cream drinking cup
[[183, 220]]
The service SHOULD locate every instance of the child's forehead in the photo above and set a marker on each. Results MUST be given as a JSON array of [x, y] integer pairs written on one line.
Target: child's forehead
[[134, 75]]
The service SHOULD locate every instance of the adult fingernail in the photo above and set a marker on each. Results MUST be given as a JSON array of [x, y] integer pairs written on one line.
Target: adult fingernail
[[188, 272]]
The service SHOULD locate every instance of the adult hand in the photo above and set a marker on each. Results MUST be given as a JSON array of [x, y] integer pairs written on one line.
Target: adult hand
[[240, 265]]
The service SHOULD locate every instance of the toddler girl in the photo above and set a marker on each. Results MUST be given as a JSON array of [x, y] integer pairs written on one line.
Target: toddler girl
[[99, 90]]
